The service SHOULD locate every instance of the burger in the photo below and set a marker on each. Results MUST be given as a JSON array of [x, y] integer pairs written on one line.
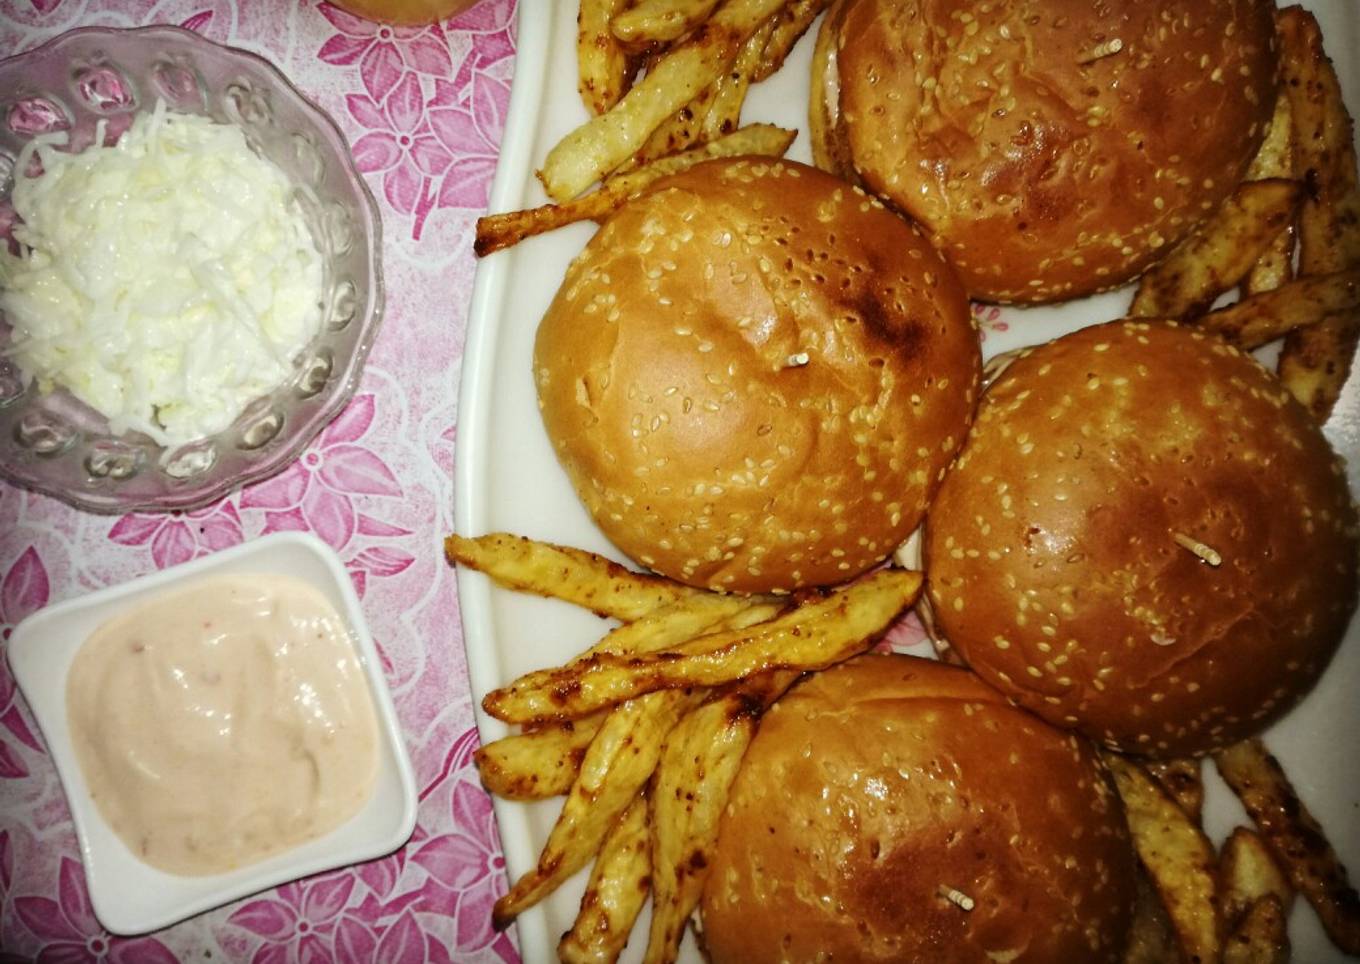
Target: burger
[[1146, 538], [755, 376], [1051, 148], [896, 809]]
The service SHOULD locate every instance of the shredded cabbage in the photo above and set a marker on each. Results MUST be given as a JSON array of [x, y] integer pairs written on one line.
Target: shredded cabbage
[[166, 281]]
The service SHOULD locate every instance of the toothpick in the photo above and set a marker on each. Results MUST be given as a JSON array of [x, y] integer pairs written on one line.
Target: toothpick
[[1101, 51], [956, 897], [1198, 548]]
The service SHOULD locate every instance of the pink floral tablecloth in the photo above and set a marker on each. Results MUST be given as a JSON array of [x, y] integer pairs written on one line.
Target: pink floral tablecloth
[[423, 110]]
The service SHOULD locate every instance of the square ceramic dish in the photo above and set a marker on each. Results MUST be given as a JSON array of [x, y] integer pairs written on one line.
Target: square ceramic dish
[[129, 896]]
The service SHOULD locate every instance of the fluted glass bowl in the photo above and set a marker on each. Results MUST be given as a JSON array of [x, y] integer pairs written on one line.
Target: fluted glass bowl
[[55, 444]]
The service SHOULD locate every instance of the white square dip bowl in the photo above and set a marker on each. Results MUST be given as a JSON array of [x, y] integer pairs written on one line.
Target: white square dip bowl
[[132, 897]]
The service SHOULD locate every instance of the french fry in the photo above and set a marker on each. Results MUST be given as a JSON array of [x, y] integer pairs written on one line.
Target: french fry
[[618, 887], [538, 764], [828, 151], [1294, 838], [1329, 224], [660, 21], [1304, 302], [1262, 937], [649, 58], [1150, 938], [1182, 779], [1220, 254], [1177, 855], [790, 25], [699, 763], [1316, 361], [682, 130], [618, 763], [497, 231], [724, 113], [681, 622], [603, 143], [544, 762], [1275, 266], [560, 572], [697, 767], [810, 637], [1275, 156], [601, 62], [1246, 873]]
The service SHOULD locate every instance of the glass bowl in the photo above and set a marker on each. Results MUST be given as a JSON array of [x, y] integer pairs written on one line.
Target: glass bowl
[[52, 442]]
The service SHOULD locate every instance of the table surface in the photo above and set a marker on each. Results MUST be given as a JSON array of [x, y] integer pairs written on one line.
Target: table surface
[[423, 110]]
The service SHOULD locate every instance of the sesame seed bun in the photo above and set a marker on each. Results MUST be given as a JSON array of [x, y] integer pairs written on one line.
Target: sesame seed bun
[[1061, 550], [1044, 163], [872, 786], [755, 376]]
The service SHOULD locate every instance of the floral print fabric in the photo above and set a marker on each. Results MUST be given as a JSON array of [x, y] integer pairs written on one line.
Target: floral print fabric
[[423, 109]]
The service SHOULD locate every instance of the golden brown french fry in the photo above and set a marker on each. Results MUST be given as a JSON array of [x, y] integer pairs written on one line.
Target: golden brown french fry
[[1150, 938], [1309, 301], [682, 130], [603, 143], [1316, 361], [1246, 873], [697, 767], [618, 763], [660, 21], [497, 231], [601, 62], [1275, 266], [1329, 224], [1182, 779], [810, 637], [680, 622], [699, 763], [729, 90], [1177, 855], [1262, 937], [561, 572], [790, 25], [1275, 156], [1294, 838], [538, 764], [829, 152], [618, 887], [648, 59], [1220, 254]]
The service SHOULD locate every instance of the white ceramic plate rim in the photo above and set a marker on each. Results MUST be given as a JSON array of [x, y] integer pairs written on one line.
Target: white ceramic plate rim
[[40, 657], [488, 295]]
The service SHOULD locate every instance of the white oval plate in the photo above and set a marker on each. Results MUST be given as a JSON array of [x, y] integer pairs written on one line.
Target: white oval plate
[[507, 477]]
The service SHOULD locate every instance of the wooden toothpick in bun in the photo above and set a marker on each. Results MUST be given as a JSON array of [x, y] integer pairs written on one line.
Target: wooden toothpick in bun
[[1052, 148], [755, 376], [897, 809], [1145, 538]]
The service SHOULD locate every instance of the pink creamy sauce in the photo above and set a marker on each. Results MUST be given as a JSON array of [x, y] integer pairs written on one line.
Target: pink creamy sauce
[[223, 723]]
